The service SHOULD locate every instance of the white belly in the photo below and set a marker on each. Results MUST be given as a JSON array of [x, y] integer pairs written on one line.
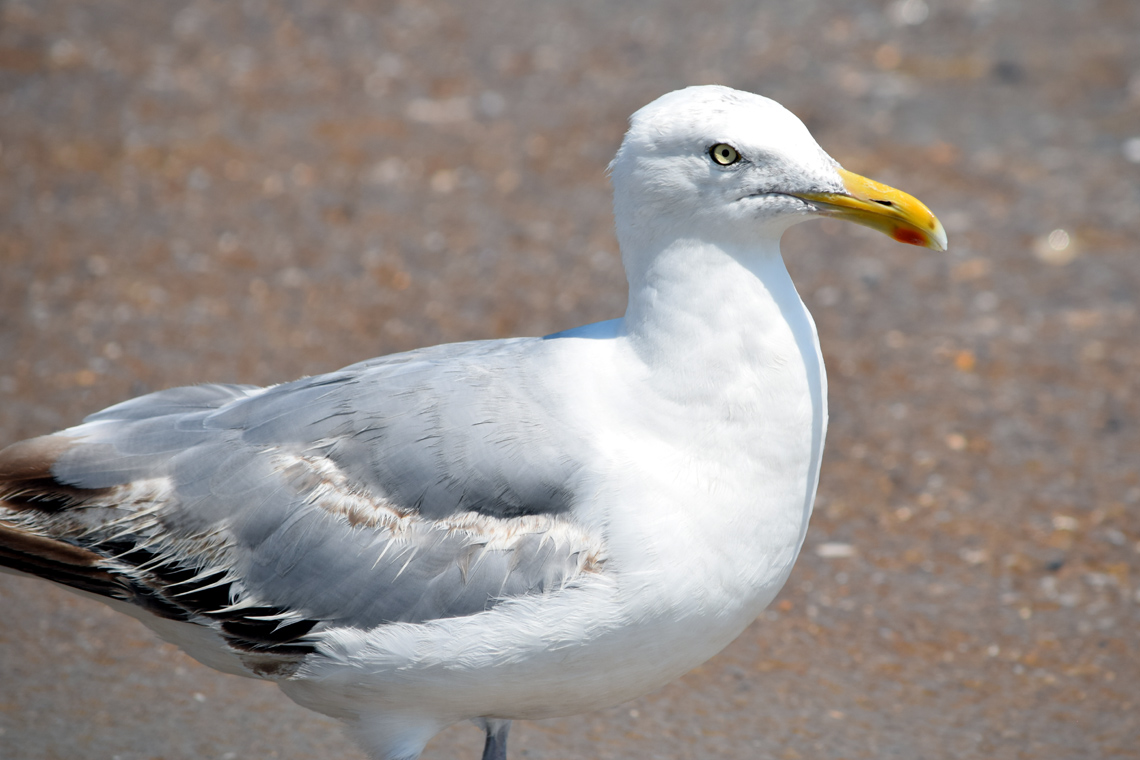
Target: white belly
[[701, 484], [691, 561]]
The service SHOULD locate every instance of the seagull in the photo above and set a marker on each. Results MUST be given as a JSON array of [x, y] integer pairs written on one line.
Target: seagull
[[498, 529]]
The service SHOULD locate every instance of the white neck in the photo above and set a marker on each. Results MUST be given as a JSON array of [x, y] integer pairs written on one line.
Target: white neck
[[700, 312], [731, 371]]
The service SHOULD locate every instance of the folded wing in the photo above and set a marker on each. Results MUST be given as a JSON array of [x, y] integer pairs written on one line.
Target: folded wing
[[421, 486]]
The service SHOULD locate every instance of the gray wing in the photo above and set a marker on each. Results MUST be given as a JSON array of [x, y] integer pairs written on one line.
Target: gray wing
[[420, 486]]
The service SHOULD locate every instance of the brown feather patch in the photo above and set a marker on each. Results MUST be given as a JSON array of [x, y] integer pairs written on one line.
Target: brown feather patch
[[26, 480], [32, 459], [43, 550]]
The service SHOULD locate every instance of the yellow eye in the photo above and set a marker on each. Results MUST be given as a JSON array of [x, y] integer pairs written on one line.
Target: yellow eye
[[724, 154]]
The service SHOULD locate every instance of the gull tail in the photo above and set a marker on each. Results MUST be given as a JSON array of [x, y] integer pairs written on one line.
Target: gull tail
[[39, 537], [108, 542], [55, 560]]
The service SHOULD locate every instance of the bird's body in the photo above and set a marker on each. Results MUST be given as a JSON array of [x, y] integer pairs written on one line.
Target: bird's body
[[490, 530]]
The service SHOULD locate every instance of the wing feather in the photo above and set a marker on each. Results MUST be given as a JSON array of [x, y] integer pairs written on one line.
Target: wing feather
[[416, 487]]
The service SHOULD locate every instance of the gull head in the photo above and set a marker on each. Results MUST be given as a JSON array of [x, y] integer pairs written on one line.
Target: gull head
[[733, 169]]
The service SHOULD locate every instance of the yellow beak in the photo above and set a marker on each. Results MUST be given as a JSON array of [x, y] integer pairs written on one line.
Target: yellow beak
[[882, 208]]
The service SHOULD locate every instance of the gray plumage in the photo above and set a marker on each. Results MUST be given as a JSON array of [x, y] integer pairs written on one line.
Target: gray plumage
[[322, 499]]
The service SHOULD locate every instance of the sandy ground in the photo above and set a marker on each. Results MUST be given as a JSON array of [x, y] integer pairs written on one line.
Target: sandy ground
[[249, 191]]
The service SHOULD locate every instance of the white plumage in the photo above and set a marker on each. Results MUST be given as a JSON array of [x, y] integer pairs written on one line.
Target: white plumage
[[500, 529]]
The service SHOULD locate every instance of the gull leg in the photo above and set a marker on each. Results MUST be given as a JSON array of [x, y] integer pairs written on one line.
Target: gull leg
[[496, 746]]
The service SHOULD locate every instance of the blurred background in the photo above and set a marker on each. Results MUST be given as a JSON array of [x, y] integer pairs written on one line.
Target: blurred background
[[249, 191]]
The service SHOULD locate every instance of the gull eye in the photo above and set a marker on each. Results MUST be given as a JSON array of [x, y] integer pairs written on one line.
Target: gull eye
[[724, 154]]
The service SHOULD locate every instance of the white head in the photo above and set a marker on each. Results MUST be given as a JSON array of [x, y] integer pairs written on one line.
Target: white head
[[731, 168]]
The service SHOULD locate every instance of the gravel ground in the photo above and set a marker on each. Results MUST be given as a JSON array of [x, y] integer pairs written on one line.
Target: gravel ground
[[249, 191]]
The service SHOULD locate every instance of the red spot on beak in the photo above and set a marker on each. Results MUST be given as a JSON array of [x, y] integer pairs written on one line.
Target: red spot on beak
[[908, 236]]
